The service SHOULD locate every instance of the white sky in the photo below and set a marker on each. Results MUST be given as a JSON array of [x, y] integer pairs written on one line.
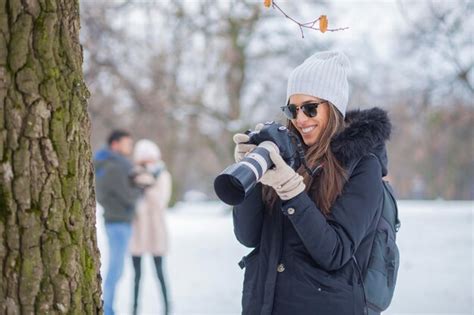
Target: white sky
[[371, 22], [375, 21]]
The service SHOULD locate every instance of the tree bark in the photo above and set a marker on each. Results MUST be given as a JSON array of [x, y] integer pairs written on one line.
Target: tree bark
[[49, 260]]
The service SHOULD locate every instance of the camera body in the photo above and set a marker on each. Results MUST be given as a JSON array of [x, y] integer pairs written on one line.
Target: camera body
[[282, 137], [235, 183]]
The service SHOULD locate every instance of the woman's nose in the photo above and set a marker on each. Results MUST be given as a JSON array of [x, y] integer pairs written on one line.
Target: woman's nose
[[300, 116]]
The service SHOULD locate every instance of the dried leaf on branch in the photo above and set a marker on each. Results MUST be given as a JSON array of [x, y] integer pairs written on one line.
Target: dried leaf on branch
[[323, 20]]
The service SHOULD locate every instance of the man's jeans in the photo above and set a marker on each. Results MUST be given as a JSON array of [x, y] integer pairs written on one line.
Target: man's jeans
[[118, 235]]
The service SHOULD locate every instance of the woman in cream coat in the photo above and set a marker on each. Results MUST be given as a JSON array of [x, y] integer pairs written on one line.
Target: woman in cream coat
[[149, 231]]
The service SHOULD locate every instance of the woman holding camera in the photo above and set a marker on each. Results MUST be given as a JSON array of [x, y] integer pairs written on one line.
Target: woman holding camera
[[312, 232]]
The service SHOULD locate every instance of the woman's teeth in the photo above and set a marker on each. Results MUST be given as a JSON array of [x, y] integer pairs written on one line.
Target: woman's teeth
[[308, 129]]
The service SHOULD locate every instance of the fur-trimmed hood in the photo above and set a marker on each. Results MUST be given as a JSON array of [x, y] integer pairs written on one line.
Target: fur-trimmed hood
[[366, 132]]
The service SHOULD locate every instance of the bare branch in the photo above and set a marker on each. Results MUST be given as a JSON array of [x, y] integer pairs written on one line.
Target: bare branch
[[308, 25]]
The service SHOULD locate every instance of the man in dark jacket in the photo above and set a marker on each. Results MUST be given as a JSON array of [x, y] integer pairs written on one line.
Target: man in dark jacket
[[117, 194]]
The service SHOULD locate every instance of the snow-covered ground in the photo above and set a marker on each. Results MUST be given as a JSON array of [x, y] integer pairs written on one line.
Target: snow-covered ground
[[436, 274]]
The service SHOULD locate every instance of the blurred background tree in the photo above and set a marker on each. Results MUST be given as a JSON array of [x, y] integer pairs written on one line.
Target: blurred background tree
[[189, 74]]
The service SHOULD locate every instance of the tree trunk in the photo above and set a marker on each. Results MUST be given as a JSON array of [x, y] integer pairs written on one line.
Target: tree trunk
[[49, 260]]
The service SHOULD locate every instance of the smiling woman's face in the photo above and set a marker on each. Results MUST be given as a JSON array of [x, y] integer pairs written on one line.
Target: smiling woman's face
[[310, 128]]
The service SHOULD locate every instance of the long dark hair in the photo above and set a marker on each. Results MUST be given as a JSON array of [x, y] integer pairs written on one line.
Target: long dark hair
[[327, 184]]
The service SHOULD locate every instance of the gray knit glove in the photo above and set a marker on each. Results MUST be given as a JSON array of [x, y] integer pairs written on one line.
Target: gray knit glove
[[282, 178], [241, 147]]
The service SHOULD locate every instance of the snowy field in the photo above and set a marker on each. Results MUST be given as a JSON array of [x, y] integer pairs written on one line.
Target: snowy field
[[436, 273]]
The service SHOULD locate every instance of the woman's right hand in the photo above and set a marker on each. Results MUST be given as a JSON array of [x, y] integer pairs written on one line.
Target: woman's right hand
[[241, 145]]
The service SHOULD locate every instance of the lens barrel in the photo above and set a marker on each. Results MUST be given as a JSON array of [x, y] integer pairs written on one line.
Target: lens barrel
[[236, 182]]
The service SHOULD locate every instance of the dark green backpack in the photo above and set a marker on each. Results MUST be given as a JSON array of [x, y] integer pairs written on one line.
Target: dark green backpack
[[381, 276]]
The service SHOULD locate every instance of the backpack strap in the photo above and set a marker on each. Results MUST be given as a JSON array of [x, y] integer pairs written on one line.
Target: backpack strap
[[392, 195], [361, 278], [354, 259]]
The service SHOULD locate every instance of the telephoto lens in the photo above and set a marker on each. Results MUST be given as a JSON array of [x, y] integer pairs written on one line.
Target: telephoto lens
[[234, 184]]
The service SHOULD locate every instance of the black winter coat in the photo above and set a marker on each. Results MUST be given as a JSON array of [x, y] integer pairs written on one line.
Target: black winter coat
[[301, 263]]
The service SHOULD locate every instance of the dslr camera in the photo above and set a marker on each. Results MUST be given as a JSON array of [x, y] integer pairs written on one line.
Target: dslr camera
[[236, 182]]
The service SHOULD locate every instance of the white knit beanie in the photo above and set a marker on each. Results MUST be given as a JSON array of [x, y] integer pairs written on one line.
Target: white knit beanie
[[146, 150], [323, 75]]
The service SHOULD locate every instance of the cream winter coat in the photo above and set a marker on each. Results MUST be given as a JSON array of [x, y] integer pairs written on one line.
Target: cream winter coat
[[149, 226]]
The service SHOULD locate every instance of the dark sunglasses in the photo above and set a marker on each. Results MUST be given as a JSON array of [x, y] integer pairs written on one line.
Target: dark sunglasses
[[309, 109]]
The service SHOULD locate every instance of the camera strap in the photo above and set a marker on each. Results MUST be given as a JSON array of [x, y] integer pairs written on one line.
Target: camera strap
[[300, 151]]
